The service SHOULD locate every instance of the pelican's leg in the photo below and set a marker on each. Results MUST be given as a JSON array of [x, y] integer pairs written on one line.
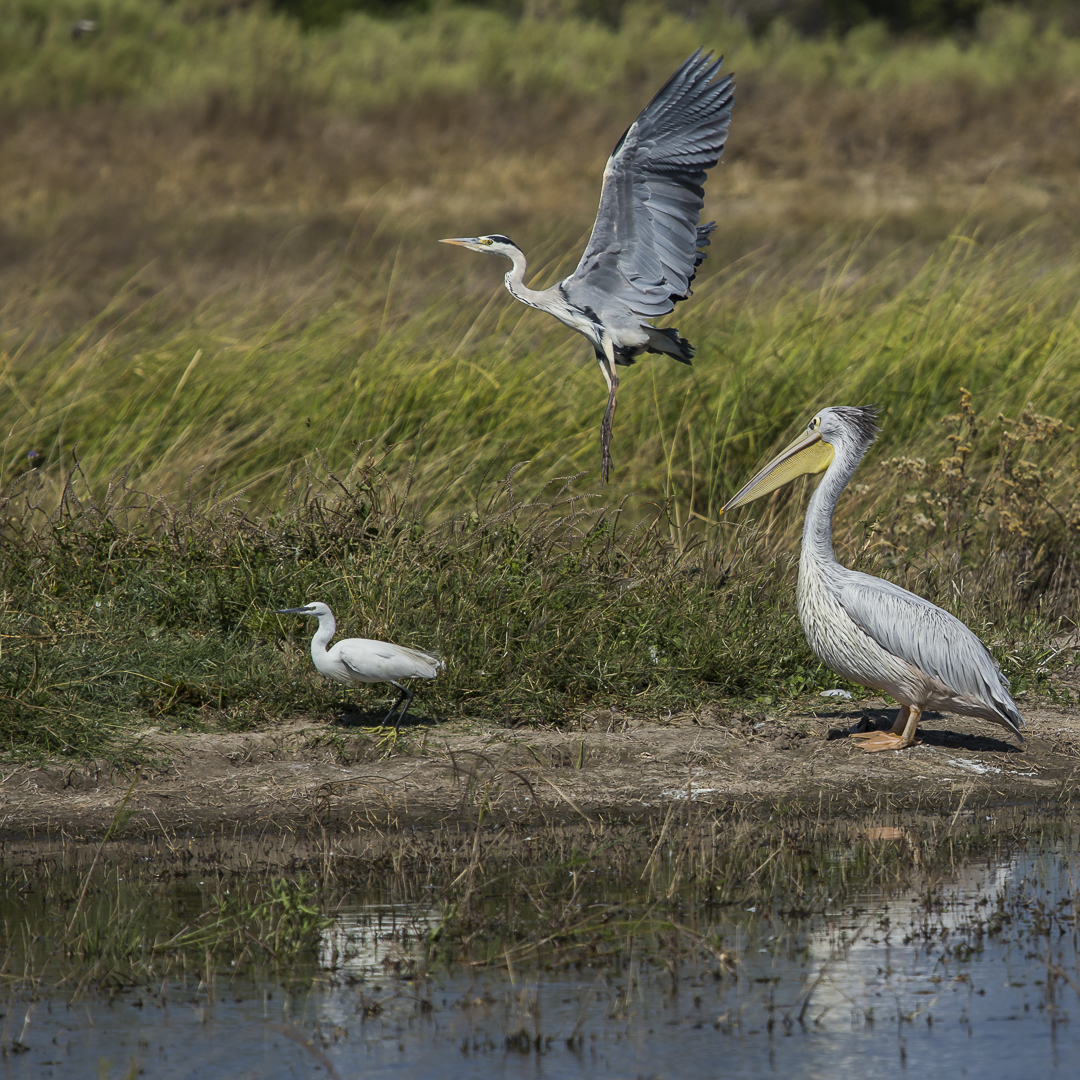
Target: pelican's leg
[[899, 736], [611, 377], [406, 695]]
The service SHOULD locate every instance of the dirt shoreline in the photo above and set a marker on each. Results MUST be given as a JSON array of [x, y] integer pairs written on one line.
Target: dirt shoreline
[[305, 774]]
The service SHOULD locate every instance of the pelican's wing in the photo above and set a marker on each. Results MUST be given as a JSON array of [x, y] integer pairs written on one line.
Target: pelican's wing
[[929, 638], [644, 246]]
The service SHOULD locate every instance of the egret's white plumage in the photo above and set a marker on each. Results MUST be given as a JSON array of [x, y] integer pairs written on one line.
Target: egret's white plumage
[[866, 629], [361, 660], [646, 243]]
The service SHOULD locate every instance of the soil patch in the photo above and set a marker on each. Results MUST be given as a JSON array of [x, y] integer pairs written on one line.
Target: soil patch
[[315, 774]]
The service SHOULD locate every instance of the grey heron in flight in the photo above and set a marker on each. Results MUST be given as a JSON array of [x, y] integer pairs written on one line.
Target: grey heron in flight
[[868, 630], [646, 243], [361, 660]]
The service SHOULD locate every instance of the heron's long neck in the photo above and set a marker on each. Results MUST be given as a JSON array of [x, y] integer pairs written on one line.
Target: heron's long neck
[[817, 528], [515, 283], [321, 640]]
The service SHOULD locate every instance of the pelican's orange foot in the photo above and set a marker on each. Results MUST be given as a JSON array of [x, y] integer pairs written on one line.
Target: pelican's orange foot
[[872, 741]]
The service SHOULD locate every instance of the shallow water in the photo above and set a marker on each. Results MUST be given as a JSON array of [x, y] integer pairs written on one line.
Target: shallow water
[[977, 976]]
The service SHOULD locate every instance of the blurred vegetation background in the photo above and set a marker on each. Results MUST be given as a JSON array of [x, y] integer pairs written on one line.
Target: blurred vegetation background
[[219, 273], [217, 235]]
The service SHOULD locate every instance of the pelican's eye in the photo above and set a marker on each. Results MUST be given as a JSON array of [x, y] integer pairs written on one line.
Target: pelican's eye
[[814, 424], [486, 241]]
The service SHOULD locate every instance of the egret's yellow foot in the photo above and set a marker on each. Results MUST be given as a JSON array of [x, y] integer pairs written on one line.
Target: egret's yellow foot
[[387, 739]]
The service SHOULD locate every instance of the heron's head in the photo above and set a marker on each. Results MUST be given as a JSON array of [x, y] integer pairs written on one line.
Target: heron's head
[[839, 430], [315, 609], [495, 244]]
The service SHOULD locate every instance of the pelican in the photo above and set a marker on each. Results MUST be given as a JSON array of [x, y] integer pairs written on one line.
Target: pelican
[[646, 244], [871, 631], [361, 660]]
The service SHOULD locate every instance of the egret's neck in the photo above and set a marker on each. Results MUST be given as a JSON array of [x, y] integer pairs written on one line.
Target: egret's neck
[[322, 637], [515, 282], [817, 528]]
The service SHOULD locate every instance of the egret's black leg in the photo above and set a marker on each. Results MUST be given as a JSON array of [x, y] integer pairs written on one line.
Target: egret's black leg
[[406, 696]]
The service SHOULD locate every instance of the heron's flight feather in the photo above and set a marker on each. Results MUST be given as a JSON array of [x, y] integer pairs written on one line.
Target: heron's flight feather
[[644, 246]]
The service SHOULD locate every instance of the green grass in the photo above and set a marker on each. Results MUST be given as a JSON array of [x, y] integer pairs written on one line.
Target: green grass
[[465, 386], [538, 611]]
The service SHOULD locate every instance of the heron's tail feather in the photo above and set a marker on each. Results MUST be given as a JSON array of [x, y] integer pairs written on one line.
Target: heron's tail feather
[[669, 341]]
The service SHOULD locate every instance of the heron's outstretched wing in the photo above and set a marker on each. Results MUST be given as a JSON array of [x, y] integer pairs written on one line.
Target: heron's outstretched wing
[[644, 246], [931, 639]]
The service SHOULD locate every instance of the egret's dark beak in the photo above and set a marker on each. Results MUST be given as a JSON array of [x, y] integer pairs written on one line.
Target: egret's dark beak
[[292, 611]]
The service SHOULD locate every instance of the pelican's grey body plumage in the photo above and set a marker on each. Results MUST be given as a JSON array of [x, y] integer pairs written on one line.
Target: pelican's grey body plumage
[[646, 243], [362, 660], [868, 630]]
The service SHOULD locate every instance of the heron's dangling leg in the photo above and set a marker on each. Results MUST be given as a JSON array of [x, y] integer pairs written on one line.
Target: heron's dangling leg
[[406, 695], [605, 431], [601, 359], [898, 737], [611, 377]]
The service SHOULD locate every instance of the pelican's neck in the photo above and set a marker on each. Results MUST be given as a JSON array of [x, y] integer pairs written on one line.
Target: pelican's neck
[[817, 528], [515, 283], [321, 640]]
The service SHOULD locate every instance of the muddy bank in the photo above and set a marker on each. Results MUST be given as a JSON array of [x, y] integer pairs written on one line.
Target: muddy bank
[[317, 774]]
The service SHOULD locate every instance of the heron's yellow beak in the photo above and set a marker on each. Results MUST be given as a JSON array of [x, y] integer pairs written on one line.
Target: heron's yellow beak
[[460, 241], [807, 454]]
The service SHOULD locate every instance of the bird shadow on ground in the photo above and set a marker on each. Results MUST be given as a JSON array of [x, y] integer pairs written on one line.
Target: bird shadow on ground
[[882, 719], [350, 716], [954, 740]]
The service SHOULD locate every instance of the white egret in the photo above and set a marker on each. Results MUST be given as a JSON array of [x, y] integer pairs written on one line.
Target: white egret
[[646, 243], [868, 630], [361, 660]]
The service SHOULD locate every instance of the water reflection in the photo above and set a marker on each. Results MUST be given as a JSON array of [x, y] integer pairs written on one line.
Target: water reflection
[[372, 940], [977, 975]]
